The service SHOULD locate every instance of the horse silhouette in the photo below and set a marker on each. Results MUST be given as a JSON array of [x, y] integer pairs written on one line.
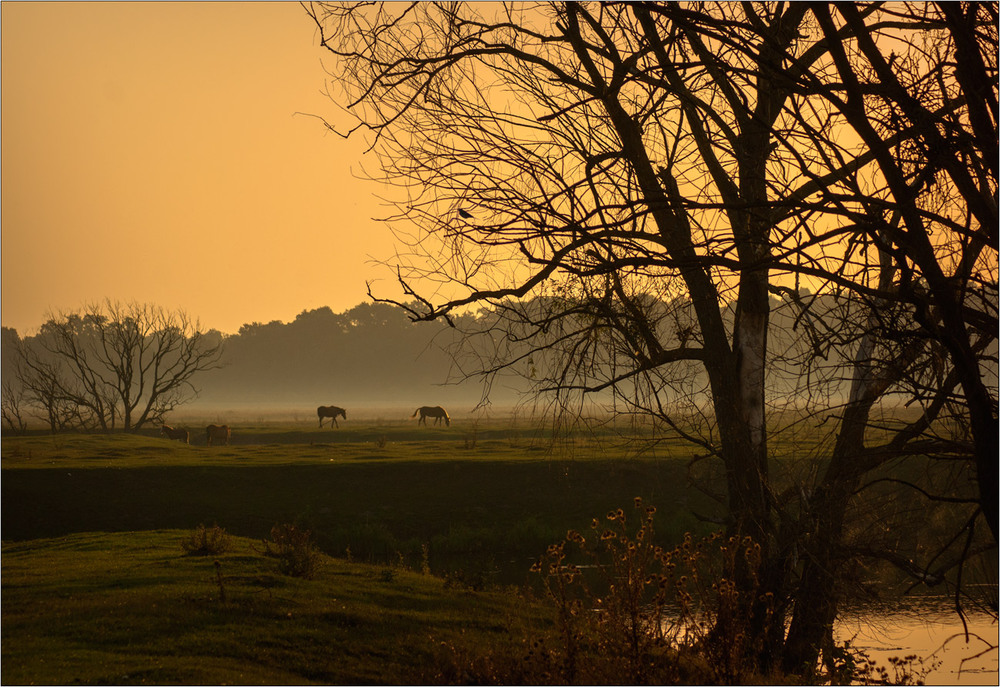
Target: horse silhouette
[[331, 412], [171, 433], [436, 412], [218, 433]]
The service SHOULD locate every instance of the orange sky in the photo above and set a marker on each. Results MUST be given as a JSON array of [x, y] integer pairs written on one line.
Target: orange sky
[[151, 153]]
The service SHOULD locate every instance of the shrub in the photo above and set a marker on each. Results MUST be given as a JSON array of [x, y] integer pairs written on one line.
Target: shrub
[[473, 581], [657, 616], [628, 611], [206, 541], [293, 547], [613, 620], [648, 614]]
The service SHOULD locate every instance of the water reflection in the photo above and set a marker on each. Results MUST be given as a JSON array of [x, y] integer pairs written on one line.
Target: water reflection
[[928, 627]]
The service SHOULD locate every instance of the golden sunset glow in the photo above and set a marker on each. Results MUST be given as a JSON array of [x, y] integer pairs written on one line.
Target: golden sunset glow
[[493, 343], [152, 152]]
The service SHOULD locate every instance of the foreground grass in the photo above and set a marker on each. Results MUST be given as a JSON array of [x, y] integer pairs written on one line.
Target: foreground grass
[[82, 605], [133, 608]]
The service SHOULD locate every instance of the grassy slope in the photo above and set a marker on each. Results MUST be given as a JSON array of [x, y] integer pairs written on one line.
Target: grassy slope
[[130, 607], [134, 608], [505, 495]]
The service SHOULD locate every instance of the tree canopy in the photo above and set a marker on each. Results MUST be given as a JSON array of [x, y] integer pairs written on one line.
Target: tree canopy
[[638, 189], [113, 365]]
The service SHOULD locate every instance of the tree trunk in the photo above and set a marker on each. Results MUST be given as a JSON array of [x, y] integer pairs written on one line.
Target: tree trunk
[[817, 601]]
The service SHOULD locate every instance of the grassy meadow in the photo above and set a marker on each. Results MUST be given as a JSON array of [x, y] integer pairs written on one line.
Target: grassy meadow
[[97, 589], [381, 492], [133, 608], [425, 539]]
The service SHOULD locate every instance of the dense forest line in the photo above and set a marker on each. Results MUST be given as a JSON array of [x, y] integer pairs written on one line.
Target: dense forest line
[[371, 355], [374, 356], [368, 356]]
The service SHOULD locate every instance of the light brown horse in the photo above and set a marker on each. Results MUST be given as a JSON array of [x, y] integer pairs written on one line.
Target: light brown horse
[[331, 412], [436, 412], [171, 433], [218, 433]]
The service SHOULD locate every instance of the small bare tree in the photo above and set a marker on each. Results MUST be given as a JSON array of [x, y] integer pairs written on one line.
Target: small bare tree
[[115, 365], [14, 405]]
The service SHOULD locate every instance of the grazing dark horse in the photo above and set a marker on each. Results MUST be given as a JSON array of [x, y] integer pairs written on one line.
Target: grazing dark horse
[[218, 433], [331, 412], [171, 433], [436, 412]]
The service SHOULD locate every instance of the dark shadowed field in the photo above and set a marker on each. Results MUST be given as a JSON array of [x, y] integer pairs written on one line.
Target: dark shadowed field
[[98, 590], [493, 496]]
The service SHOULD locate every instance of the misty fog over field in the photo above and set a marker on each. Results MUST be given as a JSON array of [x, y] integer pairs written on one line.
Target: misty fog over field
[[370, 359], [379, 365]]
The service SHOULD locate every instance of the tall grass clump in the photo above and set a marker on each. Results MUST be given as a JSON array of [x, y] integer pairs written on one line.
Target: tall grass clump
[[206, 541], [612, 603], [649, 614], [295, 550]]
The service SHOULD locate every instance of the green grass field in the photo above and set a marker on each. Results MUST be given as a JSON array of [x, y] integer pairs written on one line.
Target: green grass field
[[96, 587], [504, 498], [133, 608]]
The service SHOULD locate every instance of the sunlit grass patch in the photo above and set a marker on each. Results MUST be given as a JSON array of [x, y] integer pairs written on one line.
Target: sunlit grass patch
[[132, 607]]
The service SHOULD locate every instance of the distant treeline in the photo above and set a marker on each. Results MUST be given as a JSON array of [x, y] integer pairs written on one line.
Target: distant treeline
[[371, 354], [82, 370]]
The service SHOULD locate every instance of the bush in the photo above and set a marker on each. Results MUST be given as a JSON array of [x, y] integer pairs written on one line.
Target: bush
[[628, 611], [613, 621], [206, 541], [294, 548], [473, 581]]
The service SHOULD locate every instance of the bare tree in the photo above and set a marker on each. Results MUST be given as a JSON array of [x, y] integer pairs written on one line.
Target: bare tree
[[14, 401], [45, 391], [927, 113], [627, 186], [951, 116], [115, 365], [12, 392], [14, 406]]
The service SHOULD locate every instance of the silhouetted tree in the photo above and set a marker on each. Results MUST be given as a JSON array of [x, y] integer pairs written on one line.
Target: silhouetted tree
[[927, 114], [626, 187], [115, 364], [14, 395], [942, 181]]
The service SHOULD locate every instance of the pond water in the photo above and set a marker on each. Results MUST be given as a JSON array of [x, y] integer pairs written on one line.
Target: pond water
[[928, 627]]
